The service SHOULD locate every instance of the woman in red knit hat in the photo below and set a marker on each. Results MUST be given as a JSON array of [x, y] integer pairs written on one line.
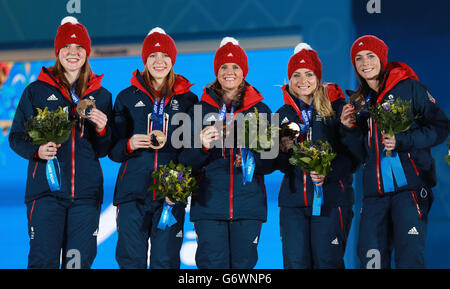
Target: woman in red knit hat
[[228, 208], [64, 215], [313, 229], [142, 118], [397, 188]]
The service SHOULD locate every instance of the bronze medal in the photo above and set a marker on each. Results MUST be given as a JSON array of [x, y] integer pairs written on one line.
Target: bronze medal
[[157, 139], [291, 130], [84, 107], [358, 102]]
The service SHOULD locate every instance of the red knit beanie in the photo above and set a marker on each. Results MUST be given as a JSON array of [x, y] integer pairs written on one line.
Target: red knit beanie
[[71, 31], [230, 52], [305, 57], [158, 41], [371, 43]]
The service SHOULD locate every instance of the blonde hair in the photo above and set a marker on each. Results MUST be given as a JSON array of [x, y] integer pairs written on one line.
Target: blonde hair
[[321, 101]]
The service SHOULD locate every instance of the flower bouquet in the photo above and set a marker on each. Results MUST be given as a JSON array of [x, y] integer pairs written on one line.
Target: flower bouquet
[[49, 126], [257, 135], [316, 157], [254, 126], [176, 183], [392, 117], [313, 156]]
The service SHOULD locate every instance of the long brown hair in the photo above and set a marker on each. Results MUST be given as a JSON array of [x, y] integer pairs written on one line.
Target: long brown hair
[[320, 99], [218, 91], [83, 77], [364, 89], [167, 88]]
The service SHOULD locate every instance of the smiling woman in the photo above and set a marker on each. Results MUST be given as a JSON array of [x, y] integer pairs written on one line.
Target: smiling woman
[[65, 188], [142, 114], [228, 208]]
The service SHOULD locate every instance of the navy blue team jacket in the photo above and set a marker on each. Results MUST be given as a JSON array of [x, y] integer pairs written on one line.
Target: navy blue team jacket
[[413, 146], [221, 194], [132, 108], [81, 174], [297, 188]]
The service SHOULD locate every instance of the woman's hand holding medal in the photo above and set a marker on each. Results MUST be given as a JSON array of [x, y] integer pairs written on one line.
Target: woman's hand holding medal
[[348, 115], [208, 135], [98, 118], [289, 133], [140, 141]]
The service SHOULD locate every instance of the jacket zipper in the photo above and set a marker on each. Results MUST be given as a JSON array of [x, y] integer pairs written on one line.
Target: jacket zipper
[[35, 167], [73, 164], [378, 160], [231, 183], [155, 168], [305, 195]]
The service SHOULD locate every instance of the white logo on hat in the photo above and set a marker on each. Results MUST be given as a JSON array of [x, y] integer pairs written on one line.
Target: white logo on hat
[[230, 54], [360, 44], [73, 36], [302, 61], [157, 44]]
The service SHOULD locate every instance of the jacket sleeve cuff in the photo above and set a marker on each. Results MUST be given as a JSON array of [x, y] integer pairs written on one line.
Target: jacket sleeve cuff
[[36, 156], [102, 132], [129, 150]]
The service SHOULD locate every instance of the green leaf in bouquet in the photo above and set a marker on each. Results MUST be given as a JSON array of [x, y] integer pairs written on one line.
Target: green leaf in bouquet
[[49, 126], [306, 160]]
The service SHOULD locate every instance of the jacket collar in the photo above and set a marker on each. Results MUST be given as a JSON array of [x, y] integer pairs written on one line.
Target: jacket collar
[[46, 76], [252, 96], [395, 72], [334, 93]]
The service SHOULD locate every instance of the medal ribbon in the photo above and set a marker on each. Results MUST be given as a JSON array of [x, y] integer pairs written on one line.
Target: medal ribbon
[[52, 174], [75, 97], [306, 117], [317, 199], [222, 116], [223, 113], [167, 219], [391, 167], [248, 165], [158, 115]]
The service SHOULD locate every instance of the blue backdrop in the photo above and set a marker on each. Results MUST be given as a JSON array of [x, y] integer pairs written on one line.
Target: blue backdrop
[[14, 238], [416, 33]]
